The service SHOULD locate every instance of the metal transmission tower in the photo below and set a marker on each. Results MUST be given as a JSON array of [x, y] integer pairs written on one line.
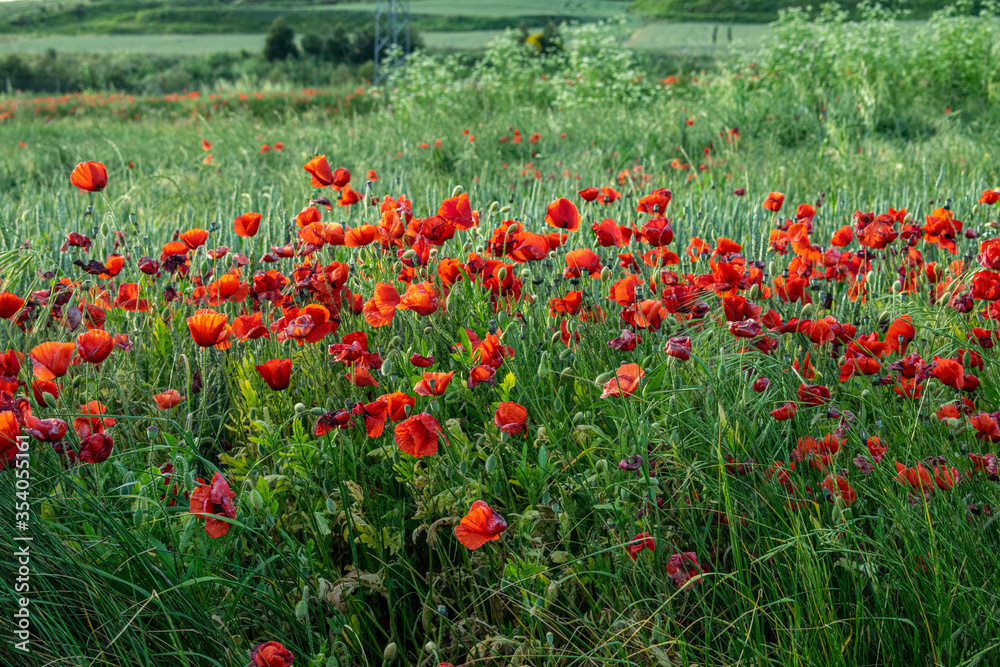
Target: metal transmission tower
[[392, 36]]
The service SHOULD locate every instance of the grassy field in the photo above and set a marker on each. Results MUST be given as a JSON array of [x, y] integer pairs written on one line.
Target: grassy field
[[718, 352], [157, 44]]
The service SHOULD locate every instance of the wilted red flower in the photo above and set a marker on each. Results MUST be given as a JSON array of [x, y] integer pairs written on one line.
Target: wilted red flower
[[511, 418], [813, 394], [421, 361], [418, 435], [481, 525], [761, 384], [277, 373], [211, 501], [785, 411], [89, 176], [683, 567], [95, 448], [271, 654], [679, 347]]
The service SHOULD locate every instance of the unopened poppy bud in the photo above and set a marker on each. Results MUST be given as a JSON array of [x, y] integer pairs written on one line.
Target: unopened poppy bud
[[565, 373], [256, 500], [410, 254], [993, 225], [908, 218], [502, 273], [605, 273], [406, 409], [491, 463], [152, 432], [301, 611], [390, 652], [952, 422], [386, 367], [428, 330], [494, 207], [395, 342], [754, 290], [897, 287], [549, 638], [807, 310], [137, 517], [865, 395], [603, 378], [870, 276], [555, 337], [433, 253], [842, 360], [557, 404], [430, 647], [457, 190], [526, 273], [189, 421], [564, 355], [578, 418], [975, 209], [601, 465], [505, 209], [317, 412], [770, 268], [552, 254], [299, 408]]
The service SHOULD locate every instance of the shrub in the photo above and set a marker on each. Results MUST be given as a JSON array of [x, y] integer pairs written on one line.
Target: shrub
[[280, 42]]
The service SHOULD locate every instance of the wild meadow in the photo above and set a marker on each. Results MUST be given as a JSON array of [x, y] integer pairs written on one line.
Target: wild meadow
[[537, 360]]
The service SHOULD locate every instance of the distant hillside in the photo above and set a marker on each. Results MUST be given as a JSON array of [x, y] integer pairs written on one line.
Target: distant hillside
[[753, 11], [254, 16]]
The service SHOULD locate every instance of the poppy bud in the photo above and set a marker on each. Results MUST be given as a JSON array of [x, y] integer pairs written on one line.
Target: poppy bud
[[301, 611], [952, 422], [502, 273], [842, 360], [754, 291], [865, 395], [457, 190], [430, 647], [897, 287], [578, 418], [806, 310], [552, 254], [494, 207], [390, 653], [433, 253], [648, 361], [770, 268], [406, 409], [603, 378], [152, 432], [601, 465], [395, 342], [870, 276], [993, 225], [565, 373], [256, 500], [428, 330], [557, 404], [564, 355], [975, 209], [556, 337], [317, 412], [137, 517], [299, 408], [549, 638], [505, 209], [605, 273], [908, 218], [526, 273], [491, 463]]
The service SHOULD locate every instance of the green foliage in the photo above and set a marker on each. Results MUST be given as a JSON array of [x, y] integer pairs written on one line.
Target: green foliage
[[280, 42]]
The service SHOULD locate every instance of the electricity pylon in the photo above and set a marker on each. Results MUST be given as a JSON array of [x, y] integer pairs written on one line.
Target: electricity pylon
[[392, 36]]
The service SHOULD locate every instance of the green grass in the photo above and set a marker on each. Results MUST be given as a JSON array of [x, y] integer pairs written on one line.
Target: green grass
[[159, 44]]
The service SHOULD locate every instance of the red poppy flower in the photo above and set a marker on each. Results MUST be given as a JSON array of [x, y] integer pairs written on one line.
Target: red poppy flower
[[458, 212], [433, 384], [418, 435], [625, 381], [589, 194], [639, 542], [421, 361], [210, 501], [761, 384], [208, 327], [51, 360], [986, 427], [381, 308], [128, 299], [168, 399], [10, 428], [655, 202], [89, 176], [398, 405], [277, 373], [271, 654], [481, 525], [683, 567], [10, 305], [838, 487], [511, 418], [95, 448], [361, 377], [583, 259], [658, 232], [563, 214], [785, 411], [319, 170], [679, 347], [246, 225], [990, 196], [813, 394], [95, 345], [774, 201]]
